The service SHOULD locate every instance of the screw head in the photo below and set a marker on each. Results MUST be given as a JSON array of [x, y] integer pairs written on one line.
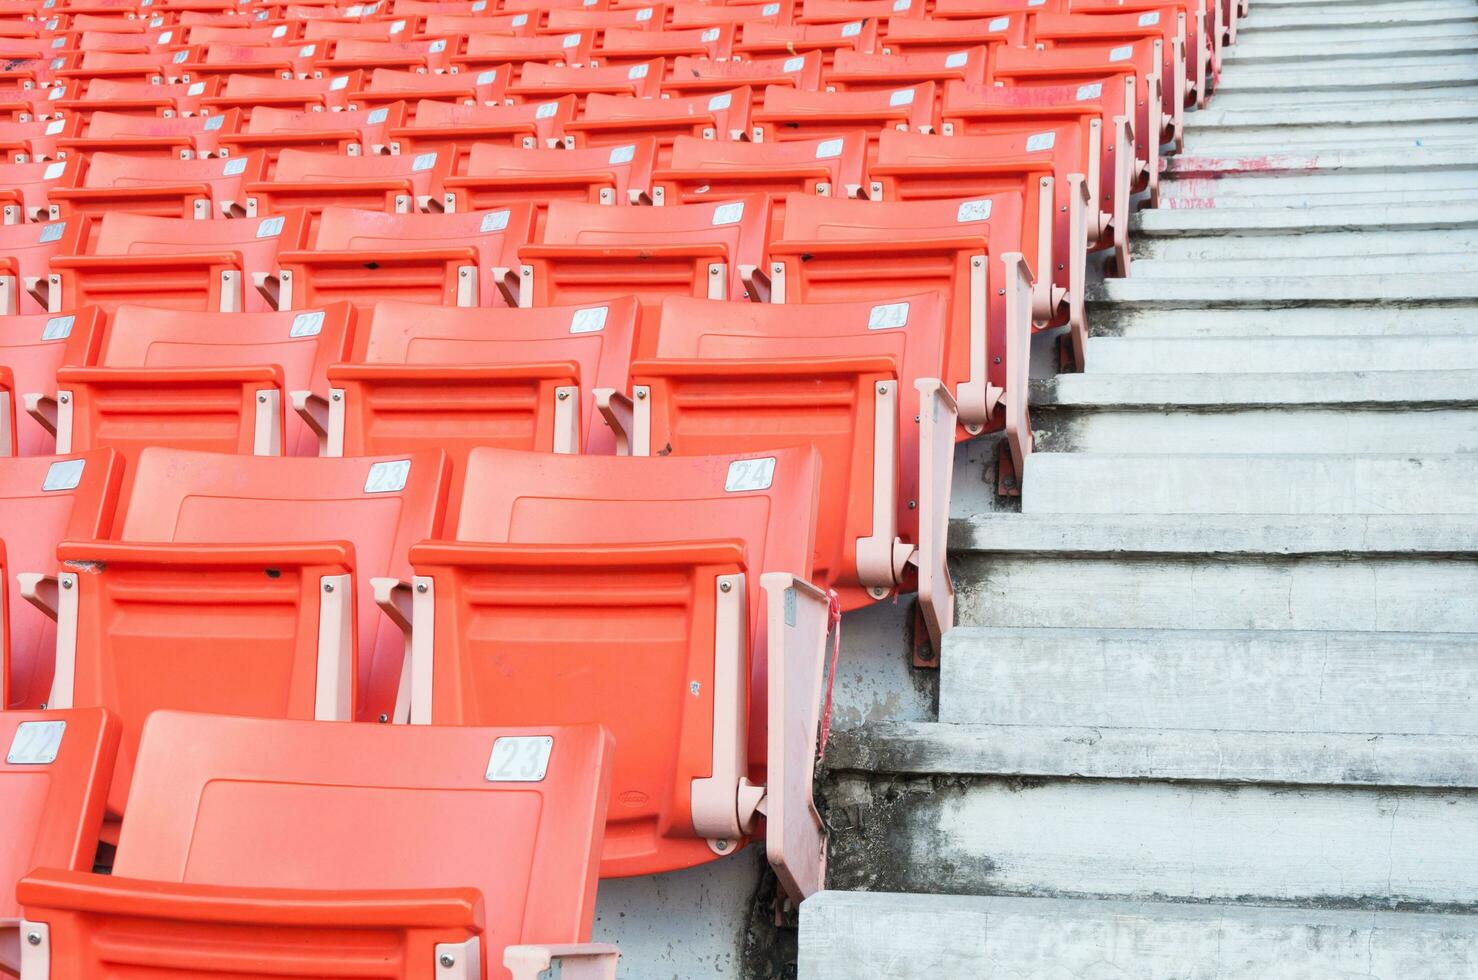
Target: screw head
[[34, 938], [421, 587], [641, 394], [882, 389], [720, 845], [725, 587], [448, 960], [261, 399], [563, 396], [337, 396], [328, 586], [384, 717], [66, 583], [913, 505]]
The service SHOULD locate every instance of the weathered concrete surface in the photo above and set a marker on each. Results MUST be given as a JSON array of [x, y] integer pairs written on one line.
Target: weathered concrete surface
[[857, 936], [1279, 355]]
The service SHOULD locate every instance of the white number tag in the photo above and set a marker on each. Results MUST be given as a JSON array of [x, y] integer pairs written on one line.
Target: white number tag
[[270, 227], [36, 743], [308, 324], [63, 475], [622, 154], [1040, 141], [592, 319], [387, 477], [1090, 91], [494, 221], [58, 328], [750, 474], [520, 759], [1122, 53], [973, 211], [728, 214], [888, 317], [827, 149]]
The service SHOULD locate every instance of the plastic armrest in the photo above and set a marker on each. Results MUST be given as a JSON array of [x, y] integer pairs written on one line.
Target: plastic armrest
[[938, 416], [619, 413], [578, 961], [1080, 201], [42, 408], [757, 285], [394, 597], [313, 409]]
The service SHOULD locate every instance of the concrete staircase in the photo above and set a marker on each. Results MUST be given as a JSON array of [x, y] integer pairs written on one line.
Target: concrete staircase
[[1212, 711]]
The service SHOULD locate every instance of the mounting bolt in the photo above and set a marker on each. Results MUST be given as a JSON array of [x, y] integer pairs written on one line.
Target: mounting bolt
[[997, 359], [975, 263], [713, 270], [724, 586], [34, 938], [563, 396], [384, 717], [882, 389], [448, 960], [261, 399], [328, 586], [66, 583], [1000, 292], [337, 396], [641, 394], [913, 505], [720, 845], [421, 587]]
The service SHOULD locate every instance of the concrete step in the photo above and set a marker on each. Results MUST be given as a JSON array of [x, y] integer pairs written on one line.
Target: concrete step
[[1412, 573], [1357, 55], [1194, 222], [882, 936], [1303, 321], [1399, 247], [1263, 20], [1279, 355], [1419, 412], [1388, 178], [1435, 72], [1236, 483], [1275, 291], [1334, 37], [1433, 111], [1316, 682], [1277, 101], [1261, 269]]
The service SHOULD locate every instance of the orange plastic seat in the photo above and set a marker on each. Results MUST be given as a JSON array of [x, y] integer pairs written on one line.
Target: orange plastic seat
[[540, 83], [1203, 24], [702, 170], [216, 382], [325, 29], [46, 499], [699, 76], [446, 126], [139, 97], [250, 93], [259, 837], [266, 35], [387, 86], [430, 54], [1105, 107], [350, 132], [288, 61], [974, 9], [853, 72], [456, 20], [27, 188], [496, 50], [54, 773], [789, 114], [761, 40], [649, 17], [165, 188], [626, 45], [919, 36], [32, 347], [26, 254], [836, 250], [37, 139], [438, 377], [837, 11], [314, 181], [176, 136], [590, 252], [499, 175], [615, 120], [1046, 160], [244, 585], [703, 14], [365, 256], [145, 66], [848, 379], [664, 597], [178, 263]]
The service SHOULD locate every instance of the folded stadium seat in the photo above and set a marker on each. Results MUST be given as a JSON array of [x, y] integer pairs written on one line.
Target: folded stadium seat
[[34, 70], [242, 585], [314, 181], [365, 256], [850, 379], [1200, 52], [703, 76], [485, 51], [167, 188], [974, 9], [541, 83], [704, 170], [918, 36], [287, 61], [539, 9], [1099, 73], [352, 133], [181, 137], [46, 499], [390, 85], [501, 175], [1105, 107], [22, 99], [334, 30], [563, 20], [1049, 157], [1164, 28], [178, 263], [615, 120], [54, 774], [139, 98], [261, 35], [194, 380], [27, 188], [838, 250], [258, 839], [550, 564], [457, 22], [127, 41], [142, 66], [32, 347], [627, 45], [837, 11], [590, 252], [853, 72], [789, 114], [24, 142], [761, 40], [444, 126], [439, 377], [432, 55], [702, 14], [250, 93], [26, 253]]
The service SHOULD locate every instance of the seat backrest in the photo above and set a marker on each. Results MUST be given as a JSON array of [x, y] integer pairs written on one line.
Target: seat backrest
[[513, 812], [25, 252], [54, 771], [693, 75], [702, 169], [32, 347], [612, 172], [262, 534], [447, 350], [604, 568], [643, 79], [44, 500]]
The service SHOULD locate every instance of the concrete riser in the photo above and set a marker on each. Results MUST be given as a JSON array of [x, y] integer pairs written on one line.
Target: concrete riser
[[1276, 355], [1418, 595], [1245, 681], [922, 937], [1313, 265], [1392, 245], [1310, 321], [1316, 188], [1260, 138]]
